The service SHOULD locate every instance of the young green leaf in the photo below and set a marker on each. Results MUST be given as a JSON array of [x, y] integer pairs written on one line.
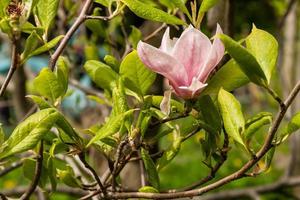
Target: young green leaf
[[137, 77], [292, 126], [135, 36], [255, 123], [111, 127], [101, 73], [105, 3], [181, 5], [245, 59], [48, 85], [220, 79], [46, 47], [150, 167], [46, 11], [42, 103], [264, 47], [206, 5], [119, 98], [29, 166], [30, 45], [209, 112], [62, 73], [232, 115], [68, 177], [28, 133], [112, 62], [148, 12]]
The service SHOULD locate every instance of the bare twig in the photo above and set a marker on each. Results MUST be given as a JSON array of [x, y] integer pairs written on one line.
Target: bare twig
[[59, 190], [37, 174], [154, 33], [12, 167], [118, 157], [13, 67], [62, 45], [96, 177], [223, 158], [262, 189]]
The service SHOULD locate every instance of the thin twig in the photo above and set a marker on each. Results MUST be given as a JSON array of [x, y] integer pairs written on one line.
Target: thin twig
[[154, 33], [13, 67], [62, 45], [96, 177], [118, 157], [11, 168], [37, 174], [223, 158], [274, 95]]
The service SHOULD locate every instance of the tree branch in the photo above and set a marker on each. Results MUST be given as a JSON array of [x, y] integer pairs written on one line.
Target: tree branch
[[15, 62], [288, 10], [62, 45], [96, 177], [11, 168], [37, 174]]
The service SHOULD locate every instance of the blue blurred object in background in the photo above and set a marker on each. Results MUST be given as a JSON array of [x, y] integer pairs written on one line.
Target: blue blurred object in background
[[4, 64], [37, 63]]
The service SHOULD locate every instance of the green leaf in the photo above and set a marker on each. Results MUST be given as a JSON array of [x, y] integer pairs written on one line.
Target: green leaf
[[135, 36], [46, 11], [28, 27], [3, 6], [112, 62], [30, 45], [148, 12], [28, 6], [111, 127], [100, 73], [46, 47], [229, 77], [29, 132], [181, 5], [207, 4], [292, 126], [245, 59], [68, 177], [156, 101], [255, 123], [148, 189], [232, 115], [172, 151], [209, 112], [48, 85], [137, 77], [62, 73], [150, 168], [42, 103], [264, 47], [120, 105]]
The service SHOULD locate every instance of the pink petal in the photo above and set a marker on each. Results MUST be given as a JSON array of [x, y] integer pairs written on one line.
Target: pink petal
[[192, 49], [162, 63], [216, 54], [167, 44], [191, 91]]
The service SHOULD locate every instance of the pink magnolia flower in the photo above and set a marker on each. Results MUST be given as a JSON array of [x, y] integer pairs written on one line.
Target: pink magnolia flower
[[186, 61]]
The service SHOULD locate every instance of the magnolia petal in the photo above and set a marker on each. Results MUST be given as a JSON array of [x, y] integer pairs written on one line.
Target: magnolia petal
[[162, 63], [192, 49], [216, 54], [167, 44], [189, 92], [165, 105]]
